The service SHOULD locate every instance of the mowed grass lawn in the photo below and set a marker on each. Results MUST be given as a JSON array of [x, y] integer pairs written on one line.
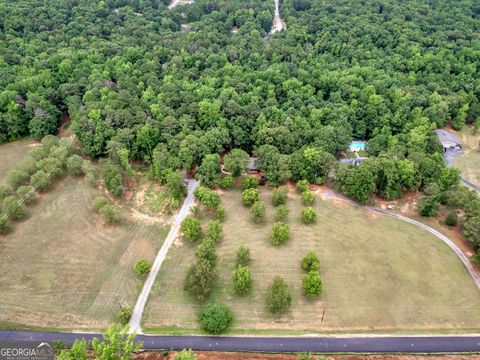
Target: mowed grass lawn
[[13, 153], [63, 268], [469, 161], [378, 274]]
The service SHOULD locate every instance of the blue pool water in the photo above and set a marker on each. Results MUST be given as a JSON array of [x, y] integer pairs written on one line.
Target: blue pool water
[[357, 145]]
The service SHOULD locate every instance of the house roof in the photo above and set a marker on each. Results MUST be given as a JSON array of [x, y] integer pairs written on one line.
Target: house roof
[[445, 136]]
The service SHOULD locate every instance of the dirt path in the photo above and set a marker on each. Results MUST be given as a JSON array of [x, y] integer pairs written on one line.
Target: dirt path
[[451, 244], [278, 24], [135, 321]]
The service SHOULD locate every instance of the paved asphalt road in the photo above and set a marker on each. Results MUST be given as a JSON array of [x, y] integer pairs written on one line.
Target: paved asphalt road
[[417, 344], [135, 321]]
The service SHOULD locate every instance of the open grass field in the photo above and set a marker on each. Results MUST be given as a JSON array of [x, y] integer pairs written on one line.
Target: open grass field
[[12, 153], [378, 274], [469, 161], [64, 268]]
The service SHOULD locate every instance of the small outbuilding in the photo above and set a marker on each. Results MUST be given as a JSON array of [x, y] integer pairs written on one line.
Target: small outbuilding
[[252, 166], [448, 140]]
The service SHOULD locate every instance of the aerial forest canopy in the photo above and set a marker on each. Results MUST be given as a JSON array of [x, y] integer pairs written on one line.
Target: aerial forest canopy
[[172, 86]]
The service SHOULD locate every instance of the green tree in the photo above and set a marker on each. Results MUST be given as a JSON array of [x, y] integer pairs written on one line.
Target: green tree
[[310, 262], [227, 182], [278, 297], [175, 185], [312, 284], [5, 226], [74, 165], [243, 256], [113, 177], [124, 316], [13, 208], [250, 196], [141, 268], [191, 228], [109, 213], [117, 343], [210, 169], [16, 178], [99, 202], [302, 186], [185, 355], [78, 351], [249, 182], [27, 193], [199, 280], [308, 197], [309, 216], [281, 213], [216, 318], [235, 162], [280, 233], [41, 180], [242, 280], [207, 250], [258, 211], [279, 196]]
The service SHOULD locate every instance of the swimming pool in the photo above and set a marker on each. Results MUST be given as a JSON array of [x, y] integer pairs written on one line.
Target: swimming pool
[[357, 145]]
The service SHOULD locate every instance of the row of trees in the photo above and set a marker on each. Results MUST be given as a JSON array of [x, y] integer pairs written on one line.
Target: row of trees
[[55, 158]]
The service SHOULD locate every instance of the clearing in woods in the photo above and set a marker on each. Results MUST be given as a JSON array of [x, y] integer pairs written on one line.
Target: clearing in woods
[[469, 162], [63, 268], [378, 274]]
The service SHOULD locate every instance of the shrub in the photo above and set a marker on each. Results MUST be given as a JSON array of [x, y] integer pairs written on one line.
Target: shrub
[[41, 180], [13, 208], [220, 213], [308, 197], [236, 161], [99, 202], [310, 262], [199, 280], [74, 165], [27, 193], [51, 166], [281, 213], [280, 233], [5, 226], [5, 191], [49, 141], [243, 256], [16, 178], [124, 316], [428, 206], [90, 173], [309, 215], [207, 197], [249, 182], [242, 280], [110, 213], [38, 153], [227, 182], [452, 219], [302, 186], [216, 318], [28, 165], [142, 268], [312, 284], [207, 251], [279, 196], [278, 298], [214, 230], [258, 211], [191, 228], [249, 196], [113, 178], [185, 355]]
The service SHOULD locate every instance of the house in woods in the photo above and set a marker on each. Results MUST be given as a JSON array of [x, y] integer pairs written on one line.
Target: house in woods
[[448, 140], [252, 166]]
